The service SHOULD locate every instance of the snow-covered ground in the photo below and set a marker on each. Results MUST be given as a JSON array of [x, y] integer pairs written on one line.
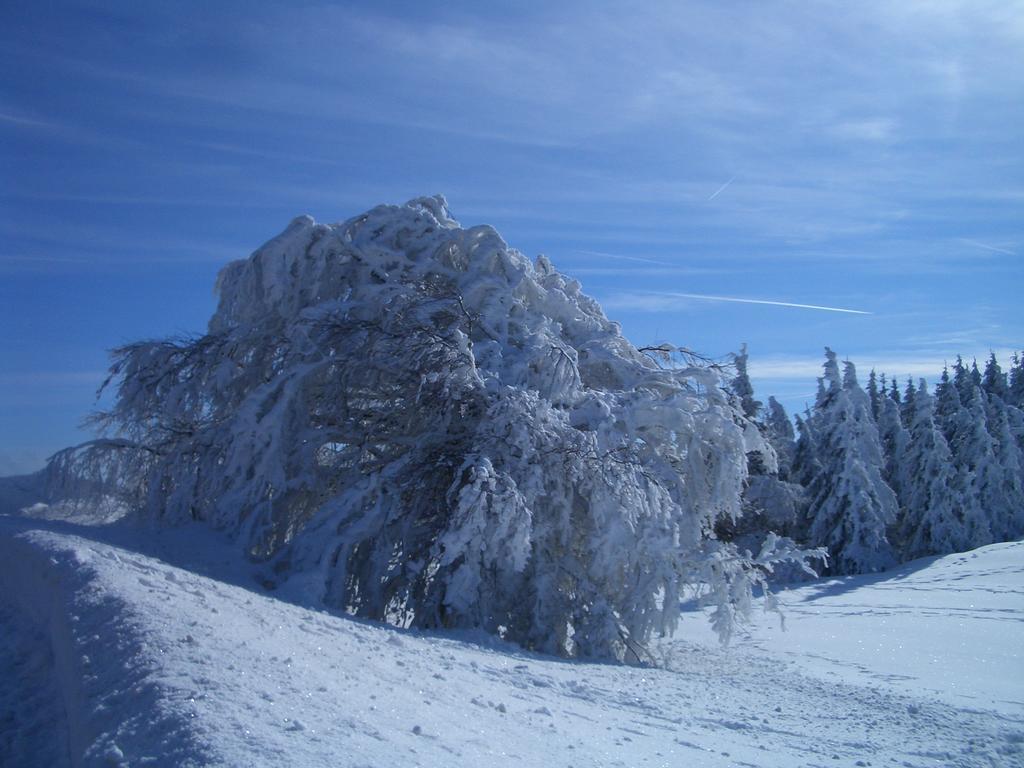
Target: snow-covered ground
[[947, 628], [123, 647]]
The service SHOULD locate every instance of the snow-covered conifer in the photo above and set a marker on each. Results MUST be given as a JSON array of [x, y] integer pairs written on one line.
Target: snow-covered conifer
[[975, 373], [779, 430], [947, 403], [873, 393], [908, 409], [850, 505], [975, 461], [932, 517], [895, 439], [1002, 421], [742, 387], [772, 506], [894, 391], [807, 469], [1015, 396], [994, 380], [962, 379]]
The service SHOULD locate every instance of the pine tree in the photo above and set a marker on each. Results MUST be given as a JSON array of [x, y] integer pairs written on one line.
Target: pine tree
[[979, 473], [851, 506], [771, 505], [1006, 426], [806, 466], [873, 393], [975, 374], [932, 518], [962, 379], [947, 403], [807, 472], [895, 439], [908, 408], [994, 380], [894, 392], [742, 387], [779, 430], [1016, 385]]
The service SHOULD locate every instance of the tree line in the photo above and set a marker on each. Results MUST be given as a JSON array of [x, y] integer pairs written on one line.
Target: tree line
[[879, 475]]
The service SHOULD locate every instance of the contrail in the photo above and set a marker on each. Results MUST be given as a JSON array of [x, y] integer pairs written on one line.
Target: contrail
[[765, 301], [722, 188], [987, 247], [626, 258]]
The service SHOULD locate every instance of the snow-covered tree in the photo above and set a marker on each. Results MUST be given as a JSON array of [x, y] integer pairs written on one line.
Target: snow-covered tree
[[432, 430], [771, 505], [994, 380], [962, 379], [1007, 519], [895, 439], [973, 450], [975, 374], [873, 392], [808, 470], [781, 436], [908, 408], [763, 460], [742, 387], [850, 505], [947, 403], [1015, 394], [894, 392], [932, 520], [1006, 426]]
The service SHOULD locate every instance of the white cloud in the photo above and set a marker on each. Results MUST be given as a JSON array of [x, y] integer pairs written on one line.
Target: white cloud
[[872, 129]]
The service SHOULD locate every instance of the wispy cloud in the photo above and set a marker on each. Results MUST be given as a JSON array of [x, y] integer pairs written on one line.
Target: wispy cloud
[[266, 154], [871, 129], [6, 117], [95, 244], [992, 248]]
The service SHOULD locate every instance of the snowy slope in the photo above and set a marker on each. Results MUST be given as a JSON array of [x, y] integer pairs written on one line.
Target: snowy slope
[[948, 628], [121, 647]]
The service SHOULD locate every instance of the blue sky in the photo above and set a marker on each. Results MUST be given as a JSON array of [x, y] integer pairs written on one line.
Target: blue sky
[[865, 156]]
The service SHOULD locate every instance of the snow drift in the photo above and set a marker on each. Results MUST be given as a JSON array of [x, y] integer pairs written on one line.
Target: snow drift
[[420, 425]]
